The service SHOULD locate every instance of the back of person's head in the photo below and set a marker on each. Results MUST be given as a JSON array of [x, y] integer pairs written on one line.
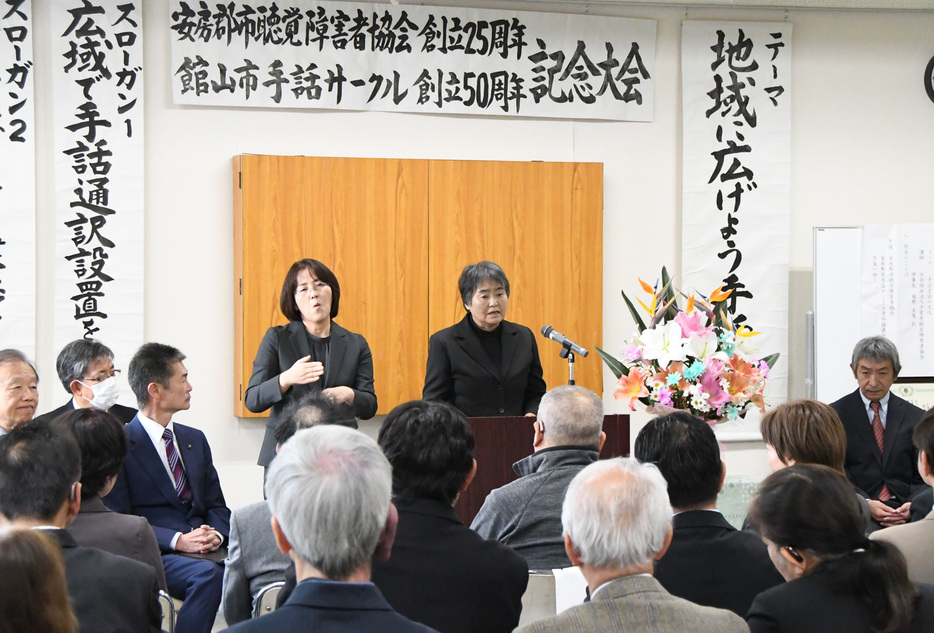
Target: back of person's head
[[813, 508], [876, 349], [76, 358], [923, 436], [805, 432], [103, 444], [33, 594], [616, 513], [686, 452], [430, 446], [310, 410], [38, 471], [330, 489], [571, 416], [153, 362]]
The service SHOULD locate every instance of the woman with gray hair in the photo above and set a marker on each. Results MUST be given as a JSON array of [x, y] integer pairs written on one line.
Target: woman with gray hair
[[485, 365]]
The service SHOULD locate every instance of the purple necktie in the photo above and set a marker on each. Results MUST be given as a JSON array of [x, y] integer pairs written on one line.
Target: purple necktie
[[182, 489], [877, 430]]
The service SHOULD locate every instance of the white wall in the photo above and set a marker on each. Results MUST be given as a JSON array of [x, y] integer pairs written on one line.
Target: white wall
[[862, 152]]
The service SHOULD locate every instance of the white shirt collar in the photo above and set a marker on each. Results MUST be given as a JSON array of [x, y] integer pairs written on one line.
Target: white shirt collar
[[153, 429]]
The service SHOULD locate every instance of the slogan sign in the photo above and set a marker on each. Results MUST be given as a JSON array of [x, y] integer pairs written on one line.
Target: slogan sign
[[737, 148], [17, 179], [347, 56], [97, 77]]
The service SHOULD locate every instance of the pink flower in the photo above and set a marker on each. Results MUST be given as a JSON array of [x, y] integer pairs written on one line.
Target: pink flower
[[710, 383], [690, 323], [633, 353], [632, 387], [664, 398]]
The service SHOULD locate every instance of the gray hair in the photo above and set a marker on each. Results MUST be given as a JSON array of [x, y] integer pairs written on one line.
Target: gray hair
[[876, 348], [76, 358], [15, 356], [617, 513], [330, 488], [571, 416], [475, 274]]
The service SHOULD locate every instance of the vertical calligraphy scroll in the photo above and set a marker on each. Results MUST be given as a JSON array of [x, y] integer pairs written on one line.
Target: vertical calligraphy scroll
[[737, 147], [98, 135], [17, 179]]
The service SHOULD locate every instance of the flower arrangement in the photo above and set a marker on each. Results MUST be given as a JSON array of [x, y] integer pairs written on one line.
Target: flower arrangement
[[693, 359]]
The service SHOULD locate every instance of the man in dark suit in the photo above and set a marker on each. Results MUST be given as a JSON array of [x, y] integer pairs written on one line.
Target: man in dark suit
[[39, 488], [86, 369], [709, 561], [168, 477], [328, 482], [441, 573], [881, 460]]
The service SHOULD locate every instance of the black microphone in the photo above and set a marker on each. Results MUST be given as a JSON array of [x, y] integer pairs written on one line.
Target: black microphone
[[549, 332]]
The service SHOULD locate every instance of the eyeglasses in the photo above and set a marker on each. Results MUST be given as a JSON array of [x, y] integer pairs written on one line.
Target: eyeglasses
[[115, 372], [304, 290]]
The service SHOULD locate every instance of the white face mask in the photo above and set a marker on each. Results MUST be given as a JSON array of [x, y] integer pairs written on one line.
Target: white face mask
[[105, 393]]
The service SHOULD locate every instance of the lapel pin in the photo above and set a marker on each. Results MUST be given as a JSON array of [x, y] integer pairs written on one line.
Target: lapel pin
[[189, 446]]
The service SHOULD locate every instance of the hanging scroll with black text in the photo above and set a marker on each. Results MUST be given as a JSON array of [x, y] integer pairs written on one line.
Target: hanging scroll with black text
[[737, 148], [98, 137], [17, 179], [347, 56]]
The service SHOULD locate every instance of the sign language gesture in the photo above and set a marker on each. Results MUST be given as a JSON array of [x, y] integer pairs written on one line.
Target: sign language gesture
[[302, 372]]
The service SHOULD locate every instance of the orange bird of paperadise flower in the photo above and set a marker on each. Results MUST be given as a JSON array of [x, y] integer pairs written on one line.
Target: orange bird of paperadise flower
[[691, 359]]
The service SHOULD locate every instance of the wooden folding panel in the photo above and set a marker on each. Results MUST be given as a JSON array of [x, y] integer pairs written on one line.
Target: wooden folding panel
[[543, 223], [366, 219]]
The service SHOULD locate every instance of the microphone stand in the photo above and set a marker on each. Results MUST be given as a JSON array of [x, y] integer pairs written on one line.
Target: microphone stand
[[568, 354]]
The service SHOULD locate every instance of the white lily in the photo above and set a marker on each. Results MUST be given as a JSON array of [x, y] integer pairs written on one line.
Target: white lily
[[701, 346], [663, 344]]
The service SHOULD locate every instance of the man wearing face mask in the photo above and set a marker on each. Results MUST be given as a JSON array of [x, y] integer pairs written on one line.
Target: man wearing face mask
[[86, 369]]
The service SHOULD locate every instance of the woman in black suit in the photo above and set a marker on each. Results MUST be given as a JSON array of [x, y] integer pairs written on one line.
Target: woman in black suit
[[310, 353], [485, 365], [838, 580]]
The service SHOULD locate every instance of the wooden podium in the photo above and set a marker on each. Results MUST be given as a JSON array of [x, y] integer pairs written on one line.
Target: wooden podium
[[500, 442]]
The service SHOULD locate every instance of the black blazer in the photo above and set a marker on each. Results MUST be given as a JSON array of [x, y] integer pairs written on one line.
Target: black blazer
[[711, 563], [122, 413], [444, 575], [809, 605], [865, 467], [350, 365], [109, 593], [461, 373]]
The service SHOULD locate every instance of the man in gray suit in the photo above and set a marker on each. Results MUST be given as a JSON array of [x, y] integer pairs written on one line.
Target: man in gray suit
[[253, 558], [617, 522]]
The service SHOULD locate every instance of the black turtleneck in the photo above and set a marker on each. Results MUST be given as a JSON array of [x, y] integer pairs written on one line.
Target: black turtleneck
[[490, 341]]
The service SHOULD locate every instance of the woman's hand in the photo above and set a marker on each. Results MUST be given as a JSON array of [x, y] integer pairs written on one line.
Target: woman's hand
[[342, 395], [302, 372]]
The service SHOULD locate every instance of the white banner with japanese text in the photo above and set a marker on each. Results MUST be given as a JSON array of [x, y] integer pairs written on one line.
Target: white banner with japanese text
[[97, 85], [736, 79], [349, 56], [897, 291], [17, 180]]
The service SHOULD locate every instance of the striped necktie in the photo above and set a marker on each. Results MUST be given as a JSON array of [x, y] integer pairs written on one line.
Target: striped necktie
[[182, 489], [877, 430]]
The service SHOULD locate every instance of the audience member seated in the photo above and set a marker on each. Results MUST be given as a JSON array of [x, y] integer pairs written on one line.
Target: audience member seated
[[916, 540], [33, 594], [253, 558], [441, 573], [617, 521], [709, 561], [526, 514], [327, 483], [838, 579], [39, 488], [86, 369], [19, 390], [103, 444], [808, 432], [168, 477], [879, 423]]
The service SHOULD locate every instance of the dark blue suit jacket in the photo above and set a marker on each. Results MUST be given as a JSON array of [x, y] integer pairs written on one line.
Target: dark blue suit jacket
[[144, 488], [333, 607]]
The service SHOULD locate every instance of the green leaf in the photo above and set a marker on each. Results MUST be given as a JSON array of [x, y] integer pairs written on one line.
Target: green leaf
[[634, 313], [668, 297], [619, 370], [771, 359]]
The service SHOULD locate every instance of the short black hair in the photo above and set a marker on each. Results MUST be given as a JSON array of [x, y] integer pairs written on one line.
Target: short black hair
[[319, 271], [76, 358], [310, 410], [475, 274], [430, 448], [923, 435], [152, 363], [686, 452], [38, 470], [103, 444]]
